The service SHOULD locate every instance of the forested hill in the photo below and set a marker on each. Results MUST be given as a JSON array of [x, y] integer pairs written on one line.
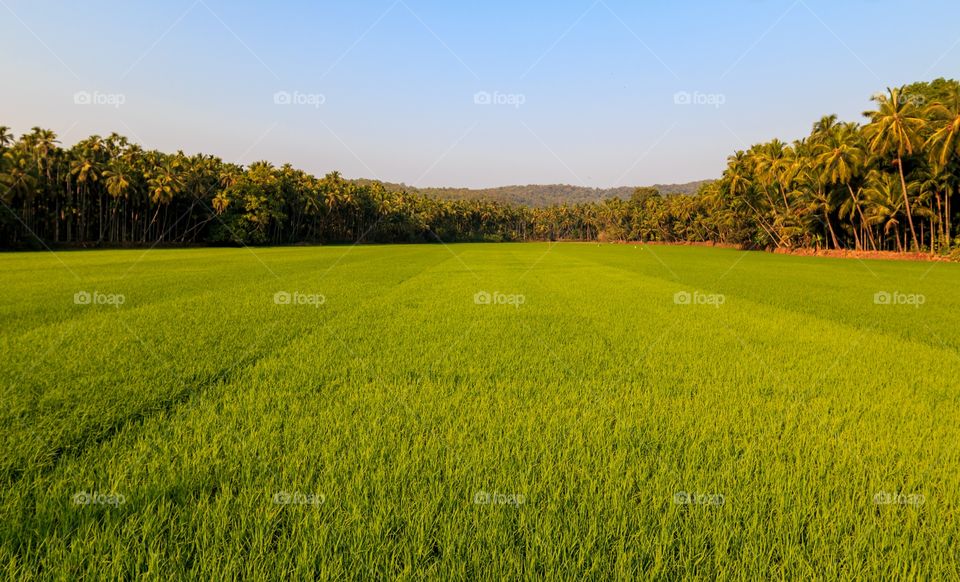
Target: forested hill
[[541, 195]]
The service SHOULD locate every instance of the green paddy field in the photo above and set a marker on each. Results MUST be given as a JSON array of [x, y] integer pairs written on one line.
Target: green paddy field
[[477, 412]]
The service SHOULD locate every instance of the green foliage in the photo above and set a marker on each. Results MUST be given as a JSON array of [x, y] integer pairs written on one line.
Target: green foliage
[[834, 187], [830, 189], [542, 195]]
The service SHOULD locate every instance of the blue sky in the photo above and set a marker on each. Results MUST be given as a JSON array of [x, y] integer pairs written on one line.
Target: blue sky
[[580, 92]]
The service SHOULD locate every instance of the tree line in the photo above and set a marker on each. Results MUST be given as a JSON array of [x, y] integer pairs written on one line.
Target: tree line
[[890, 183], [544, 194]]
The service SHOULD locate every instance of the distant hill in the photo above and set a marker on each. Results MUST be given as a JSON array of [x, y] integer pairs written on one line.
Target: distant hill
[[544, 194]]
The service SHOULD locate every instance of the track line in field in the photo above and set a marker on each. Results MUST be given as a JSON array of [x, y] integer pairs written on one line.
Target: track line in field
[[107, 432]]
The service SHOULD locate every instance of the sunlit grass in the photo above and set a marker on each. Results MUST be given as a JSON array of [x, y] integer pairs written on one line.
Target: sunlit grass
[[577, 417]]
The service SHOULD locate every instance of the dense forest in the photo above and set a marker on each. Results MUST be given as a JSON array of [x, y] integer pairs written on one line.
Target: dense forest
[[544, 194], [890, 183]]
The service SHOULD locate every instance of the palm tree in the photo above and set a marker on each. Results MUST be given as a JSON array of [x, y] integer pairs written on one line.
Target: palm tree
[[41, 143], [737, 184], [820, 202], [117, 180], [895, 128], [16, 177], [841, 157], [773, 165], [884, 205], [163, 185], [943, 144], [824, 127], [6, 138], [84, 170]]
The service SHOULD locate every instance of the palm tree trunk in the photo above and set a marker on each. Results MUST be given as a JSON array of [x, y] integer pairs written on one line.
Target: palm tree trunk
[[773, 235], [946, 213], [863, 219], [833, 235], [783, 193], [906, 202]]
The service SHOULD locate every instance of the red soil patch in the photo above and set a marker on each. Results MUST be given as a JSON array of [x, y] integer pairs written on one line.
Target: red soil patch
[[805, 252], [851, 254]]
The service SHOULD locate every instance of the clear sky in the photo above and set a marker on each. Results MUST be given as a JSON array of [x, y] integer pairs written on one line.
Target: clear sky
[[583, 92]]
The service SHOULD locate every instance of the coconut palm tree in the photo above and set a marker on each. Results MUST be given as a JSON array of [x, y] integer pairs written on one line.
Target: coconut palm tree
[[163, 185], [84, 170], [820, 202], [943, 144], [117, 180], [6, 138], [943, 147], [16, 177], [773, 167], [840, 155], [895, 129], [885, 204]]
